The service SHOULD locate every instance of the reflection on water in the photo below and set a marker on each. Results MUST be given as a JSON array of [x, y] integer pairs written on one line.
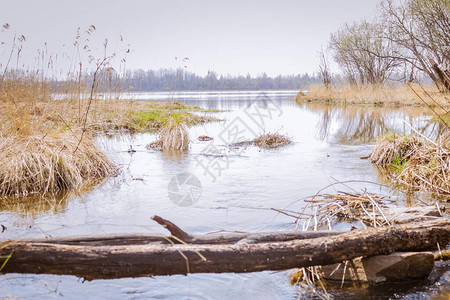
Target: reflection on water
[[328, 144], [354, 125], [35, 204]]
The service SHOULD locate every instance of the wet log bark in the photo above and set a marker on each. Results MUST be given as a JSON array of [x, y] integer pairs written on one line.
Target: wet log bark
[[146, 255]]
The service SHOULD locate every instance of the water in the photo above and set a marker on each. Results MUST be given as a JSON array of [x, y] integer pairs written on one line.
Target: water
[[239, 188]]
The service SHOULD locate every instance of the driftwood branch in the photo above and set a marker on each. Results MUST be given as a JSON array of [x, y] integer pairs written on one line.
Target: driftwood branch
[[135, 255], [174, 229]]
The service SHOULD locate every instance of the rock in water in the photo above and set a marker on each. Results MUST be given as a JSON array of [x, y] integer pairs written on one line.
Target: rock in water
[[398, 266]]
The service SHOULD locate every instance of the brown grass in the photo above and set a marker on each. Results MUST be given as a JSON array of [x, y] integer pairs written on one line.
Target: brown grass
[[41, 117], [394, 147], [32, 164], [392, 96], [417, 163], [266, 141], [271, 141], [172, 136], [47, 144]]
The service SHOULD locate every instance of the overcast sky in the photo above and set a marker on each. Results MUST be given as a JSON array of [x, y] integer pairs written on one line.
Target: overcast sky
[[230, 37]]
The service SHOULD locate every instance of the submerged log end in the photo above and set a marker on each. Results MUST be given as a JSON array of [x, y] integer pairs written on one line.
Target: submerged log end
[[174, 229]]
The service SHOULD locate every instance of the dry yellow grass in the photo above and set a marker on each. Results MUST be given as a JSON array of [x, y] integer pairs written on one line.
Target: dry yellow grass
[[172, 136], [47, 145], [416, 163], [394, 149], [271, 141], [104, 115], [33, 164], [393, 96], [266, 141]]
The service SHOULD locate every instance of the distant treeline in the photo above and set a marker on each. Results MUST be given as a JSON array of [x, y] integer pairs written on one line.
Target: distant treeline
[[182, 80]]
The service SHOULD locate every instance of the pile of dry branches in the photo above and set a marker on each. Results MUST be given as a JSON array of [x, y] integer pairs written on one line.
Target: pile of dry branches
[[323, 211]]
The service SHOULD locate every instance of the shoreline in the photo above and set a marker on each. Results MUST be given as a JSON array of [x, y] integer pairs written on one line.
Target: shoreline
[[395, 96]]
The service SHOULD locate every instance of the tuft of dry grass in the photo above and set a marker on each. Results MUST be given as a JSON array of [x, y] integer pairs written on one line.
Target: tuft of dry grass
[[205, 138], [417, 163], [271, 141], [172, 136], [266, 141], [393, 96], [32, 164], [394, 149]]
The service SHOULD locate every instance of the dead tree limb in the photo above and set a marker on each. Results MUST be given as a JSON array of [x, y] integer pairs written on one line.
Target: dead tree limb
[[174, 229], [147, 255]]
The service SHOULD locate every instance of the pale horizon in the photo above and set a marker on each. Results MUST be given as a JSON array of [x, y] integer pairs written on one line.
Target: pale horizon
[[228, 37]]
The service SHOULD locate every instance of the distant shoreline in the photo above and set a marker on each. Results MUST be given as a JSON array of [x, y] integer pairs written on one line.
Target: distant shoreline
[[389, 96]]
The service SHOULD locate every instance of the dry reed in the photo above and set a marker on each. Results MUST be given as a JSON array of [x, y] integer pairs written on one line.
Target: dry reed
[[416, 163], [46, 127], [327, 209], [394, 147], [32, 164], [271, 141], [172, 136], [323, 211], [266, 141]]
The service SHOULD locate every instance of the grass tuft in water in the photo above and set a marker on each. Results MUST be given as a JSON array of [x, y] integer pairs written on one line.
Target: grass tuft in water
[[266, 141], [33, 164], [416, 162], [172, 136], [271, 141]]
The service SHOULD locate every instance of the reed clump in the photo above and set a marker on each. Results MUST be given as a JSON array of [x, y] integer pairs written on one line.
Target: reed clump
[[323, 211], [32, 164], [266, 141], [393, 148], [45, 145], [172, 136], [416, 163], [271, 141]]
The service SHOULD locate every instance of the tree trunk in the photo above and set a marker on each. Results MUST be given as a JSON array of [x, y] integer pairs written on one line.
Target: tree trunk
[[118, 256], [443, 76]]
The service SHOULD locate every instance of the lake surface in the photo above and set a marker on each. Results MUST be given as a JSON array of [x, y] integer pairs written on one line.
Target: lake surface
[[236, 190]]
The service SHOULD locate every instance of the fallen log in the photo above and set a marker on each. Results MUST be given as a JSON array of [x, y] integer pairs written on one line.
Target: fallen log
[[147, 255]]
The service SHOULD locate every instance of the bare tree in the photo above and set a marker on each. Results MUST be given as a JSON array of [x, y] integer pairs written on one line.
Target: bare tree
[[324, 69], [421, 29], [363, 53]]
